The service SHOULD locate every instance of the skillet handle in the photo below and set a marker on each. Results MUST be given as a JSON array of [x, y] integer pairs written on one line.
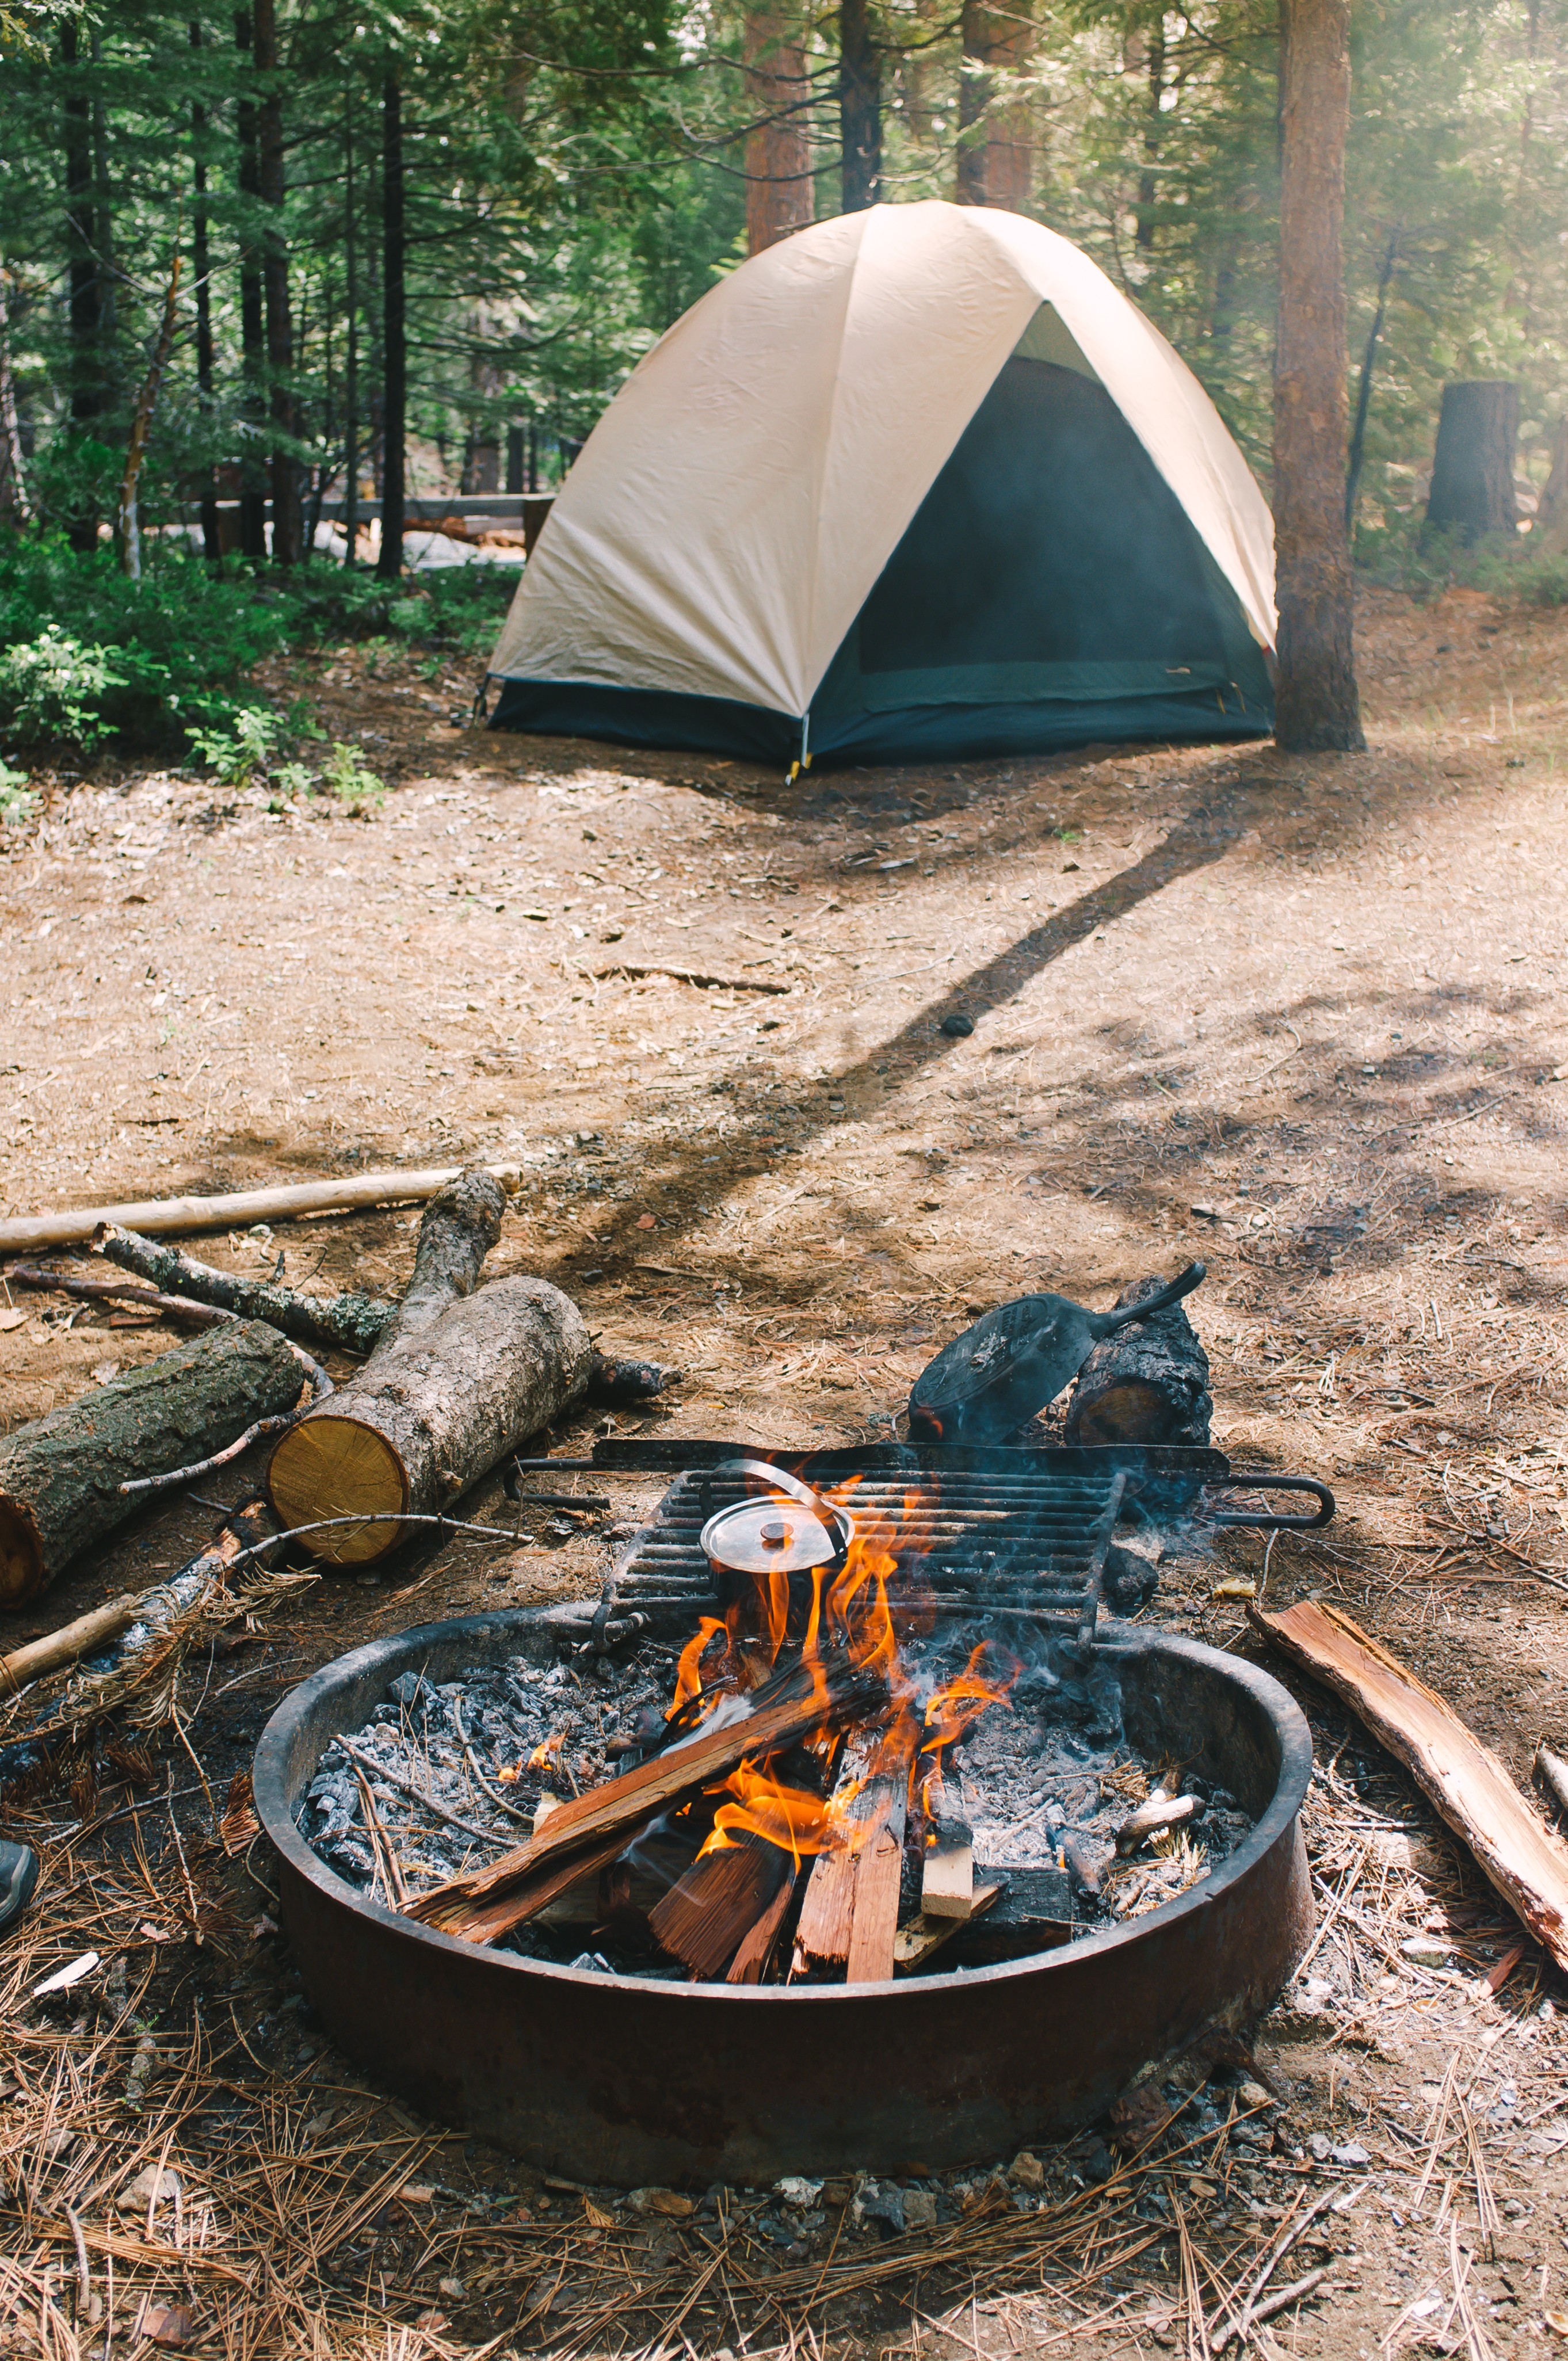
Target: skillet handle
[[1262, 1481]]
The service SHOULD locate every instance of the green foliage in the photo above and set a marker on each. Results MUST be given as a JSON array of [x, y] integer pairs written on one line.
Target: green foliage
[[243, 746], [1408, 556], [18, 799], [56, 686], [250, 749], [346, 775]]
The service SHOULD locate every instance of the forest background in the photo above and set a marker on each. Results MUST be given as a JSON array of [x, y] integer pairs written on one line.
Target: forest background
[[302, 252]]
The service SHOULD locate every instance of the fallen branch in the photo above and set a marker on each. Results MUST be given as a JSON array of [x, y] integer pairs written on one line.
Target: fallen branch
[[59, 1282], [174, 1479], [1552, 1772], [690, 975], [1466, 1782], [178, 1216], [354, 1322]]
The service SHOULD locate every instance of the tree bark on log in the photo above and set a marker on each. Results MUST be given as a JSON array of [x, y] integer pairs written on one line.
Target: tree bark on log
[[1149, 1383], [457, 1379], [1473, 468], [353, 1322], [1317, 708], [59, 1476]]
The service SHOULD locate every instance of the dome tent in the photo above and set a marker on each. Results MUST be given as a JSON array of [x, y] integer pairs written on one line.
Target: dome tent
[[915, 483]]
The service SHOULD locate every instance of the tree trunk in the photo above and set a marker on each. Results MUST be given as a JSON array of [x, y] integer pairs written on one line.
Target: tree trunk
[[351, 325], [252, 490], [86, 357], [59, 1477], [13, 477], [995, 158], [1550, 530], [1316, 702], [201, 256], [457, 1379], [1473, 472], [1147, 1383], [287, 524], [860, 108], [780, 195], [394, 333], [1358, 458]]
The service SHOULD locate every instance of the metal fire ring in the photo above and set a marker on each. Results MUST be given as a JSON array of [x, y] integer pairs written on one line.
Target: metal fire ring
[[622, 2080]]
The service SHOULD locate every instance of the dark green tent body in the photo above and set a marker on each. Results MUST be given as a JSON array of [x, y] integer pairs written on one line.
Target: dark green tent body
[[1050, 590]]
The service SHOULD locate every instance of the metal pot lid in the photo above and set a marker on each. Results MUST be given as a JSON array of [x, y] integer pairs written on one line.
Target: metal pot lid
[[788, 1531]]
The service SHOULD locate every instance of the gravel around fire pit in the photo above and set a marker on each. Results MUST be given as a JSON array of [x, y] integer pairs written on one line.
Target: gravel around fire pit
[[455, 1770]]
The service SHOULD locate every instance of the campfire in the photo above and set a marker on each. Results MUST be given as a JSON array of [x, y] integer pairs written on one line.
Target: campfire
[[799, 1773]]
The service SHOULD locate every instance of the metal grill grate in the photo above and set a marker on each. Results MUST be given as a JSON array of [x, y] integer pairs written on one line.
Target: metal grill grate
[[1001, 1531]]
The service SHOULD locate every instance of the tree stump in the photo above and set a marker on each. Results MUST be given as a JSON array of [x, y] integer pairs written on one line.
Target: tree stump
[[1149, 1383], [1472, 471], [457, 1379], [59, 1477]]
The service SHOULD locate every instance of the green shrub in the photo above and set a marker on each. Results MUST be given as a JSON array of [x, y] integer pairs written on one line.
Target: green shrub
[[18, 800], [57, 687]]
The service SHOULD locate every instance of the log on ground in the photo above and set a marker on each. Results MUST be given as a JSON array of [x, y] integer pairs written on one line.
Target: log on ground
[[59, 1476], [1147, 1383], [460, 1377]]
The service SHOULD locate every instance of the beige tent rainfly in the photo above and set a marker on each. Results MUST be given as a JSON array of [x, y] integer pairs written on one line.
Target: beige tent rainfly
[[915, 483]]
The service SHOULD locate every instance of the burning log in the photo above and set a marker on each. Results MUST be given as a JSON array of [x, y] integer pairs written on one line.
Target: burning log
[[59, 1477], [457, 1379], [704, 1918], [793, 1705], [1147, 1383], [873, 1926], [751, 1962]]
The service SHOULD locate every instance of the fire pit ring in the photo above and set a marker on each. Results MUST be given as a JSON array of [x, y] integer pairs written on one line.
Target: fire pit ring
[[626, 2081]]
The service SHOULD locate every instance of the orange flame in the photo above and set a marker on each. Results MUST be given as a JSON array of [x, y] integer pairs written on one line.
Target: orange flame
[[790, 1818], [544, 1755], [689, 1682]]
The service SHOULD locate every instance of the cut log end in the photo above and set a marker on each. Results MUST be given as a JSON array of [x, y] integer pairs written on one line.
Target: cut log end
[[21, 1556], [339, 1467]]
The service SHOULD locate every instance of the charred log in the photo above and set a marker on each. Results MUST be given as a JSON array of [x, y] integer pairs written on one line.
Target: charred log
[[1147, 1383]]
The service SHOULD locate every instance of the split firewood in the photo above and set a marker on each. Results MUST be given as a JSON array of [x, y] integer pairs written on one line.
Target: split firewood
[[849, 1917], [947, 1878], [460, 1375], [750, 1964], [1160, 1812], [353, 1322], [489, 1902], [916, 1943], [1524, 1859], [1147, 1383], [178, 1216], [59, 1477], [704, 1917]]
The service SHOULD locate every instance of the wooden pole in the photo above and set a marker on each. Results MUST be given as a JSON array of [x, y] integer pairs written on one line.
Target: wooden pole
[[1317, 707], [180, 1216]]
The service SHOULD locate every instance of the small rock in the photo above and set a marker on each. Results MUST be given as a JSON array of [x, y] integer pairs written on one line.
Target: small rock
[[1099, 2164], [1026, 2172], [796, 2191], [661, 2200], [958, 1027], [880, 2200], [1349, 2152], [151, 2187], [1319, 2148], [455, 2287], [838, 2189], [1426, 1951], [919, 2209], [1252, 2094], [168, 2324]]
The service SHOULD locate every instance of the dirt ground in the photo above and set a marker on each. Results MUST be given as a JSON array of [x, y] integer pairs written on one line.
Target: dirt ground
[[1306, 1019]]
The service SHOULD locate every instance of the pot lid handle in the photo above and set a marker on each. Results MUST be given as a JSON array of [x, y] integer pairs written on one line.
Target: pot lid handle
[[836, 1521]]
